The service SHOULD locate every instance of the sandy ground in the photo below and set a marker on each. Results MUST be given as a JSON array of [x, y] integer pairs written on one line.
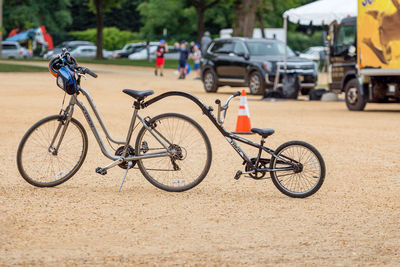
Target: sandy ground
[[353, 220]]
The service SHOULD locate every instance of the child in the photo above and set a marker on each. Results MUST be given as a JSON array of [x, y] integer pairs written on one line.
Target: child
[[161, 50], [196, 56], [183, 56]]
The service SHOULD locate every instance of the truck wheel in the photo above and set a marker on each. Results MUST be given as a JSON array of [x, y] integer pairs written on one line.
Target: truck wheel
[[210, 81], [305, 91], [354, 99], [256, 83]]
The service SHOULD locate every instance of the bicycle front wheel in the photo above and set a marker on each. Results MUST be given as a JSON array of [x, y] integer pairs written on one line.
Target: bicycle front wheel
[[308, 171], [52, 151], [189, 148]]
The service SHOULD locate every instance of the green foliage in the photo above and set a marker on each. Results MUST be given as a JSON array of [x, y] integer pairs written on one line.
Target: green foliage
[[299, 41], [25, 14], [107, 5], [112, 37], [170, 14]]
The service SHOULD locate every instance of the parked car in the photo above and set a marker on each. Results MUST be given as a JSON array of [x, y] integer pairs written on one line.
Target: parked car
[[69, 45], [249, 62], [14, 50], [89, 51], [314, 53], [142, 54], [128, 49]]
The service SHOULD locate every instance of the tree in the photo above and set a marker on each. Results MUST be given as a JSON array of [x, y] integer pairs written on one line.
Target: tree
[[99, 7], [173, 15], [245, 16], [201, 6], [25, 14]]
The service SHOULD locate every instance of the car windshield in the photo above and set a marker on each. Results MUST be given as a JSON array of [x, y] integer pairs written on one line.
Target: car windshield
[[269, 49]]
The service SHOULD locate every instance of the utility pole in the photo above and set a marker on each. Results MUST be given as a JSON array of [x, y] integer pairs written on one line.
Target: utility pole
[[1, 27]]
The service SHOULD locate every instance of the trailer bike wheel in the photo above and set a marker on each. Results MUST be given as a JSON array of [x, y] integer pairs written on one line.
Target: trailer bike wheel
[[190, 152], [308, 171], [40, 163]]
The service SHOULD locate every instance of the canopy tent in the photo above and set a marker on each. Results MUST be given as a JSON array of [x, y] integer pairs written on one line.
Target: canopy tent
[[322, 12], [37, 35]]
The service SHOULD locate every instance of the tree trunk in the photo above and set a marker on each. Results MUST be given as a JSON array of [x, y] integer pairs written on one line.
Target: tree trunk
[[260, 20], [200, 23], [100, 26], [245, 16]]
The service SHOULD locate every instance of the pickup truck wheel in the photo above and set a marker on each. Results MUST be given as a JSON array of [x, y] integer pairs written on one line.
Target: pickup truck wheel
[[256, 83], [354, 99], [305, 91], [210, 81]]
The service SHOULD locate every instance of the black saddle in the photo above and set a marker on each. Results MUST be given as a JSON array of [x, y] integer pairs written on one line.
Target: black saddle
[[263, 132], [138, 95]]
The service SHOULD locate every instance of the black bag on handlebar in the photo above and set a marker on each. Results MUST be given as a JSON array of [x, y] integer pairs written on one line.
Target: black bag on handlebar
[[66, 80]]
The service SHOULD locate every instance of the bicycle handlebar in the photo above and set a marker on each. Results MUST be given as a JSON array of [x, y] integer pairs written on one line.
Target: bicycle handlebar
[[224, 107], [73, 65]]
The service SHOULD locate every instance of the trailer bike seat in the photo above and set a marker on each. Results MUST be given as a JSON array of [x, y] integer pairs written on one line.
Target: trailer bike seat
[[263, 132]]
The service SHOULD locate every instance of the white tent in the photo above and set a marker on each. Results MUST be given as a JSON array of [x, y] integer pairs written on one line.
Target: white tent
[[322, 12]]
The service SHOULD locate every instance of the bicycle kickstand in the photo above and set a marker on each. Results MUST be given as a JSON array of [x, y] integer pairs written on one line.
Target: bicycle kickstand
[[126, 172]]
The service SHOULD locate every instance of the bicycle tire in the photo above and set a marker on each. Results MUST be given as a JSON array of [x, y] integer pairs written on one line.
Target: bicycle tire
[[193, 152], [54, 171], [299, 179]]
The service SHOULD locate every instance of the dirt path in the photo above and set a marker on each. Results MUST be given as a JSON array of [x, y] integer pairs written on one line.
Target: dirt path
[[352, 220]]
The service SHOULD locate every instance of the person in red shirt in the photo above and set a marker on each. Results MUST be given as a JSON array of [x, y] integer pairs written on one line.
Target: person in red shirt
[[160, 60]]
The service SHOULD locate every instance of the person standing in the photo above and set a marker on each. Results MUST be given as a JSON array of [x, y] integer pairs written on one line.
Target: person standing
[[183, 56], [196, 56], [205, 41], [160, 60]]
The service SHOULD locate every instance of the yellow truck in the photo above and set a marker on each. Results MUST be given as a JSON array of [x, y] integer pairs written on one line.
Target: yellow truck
[[365, 54]]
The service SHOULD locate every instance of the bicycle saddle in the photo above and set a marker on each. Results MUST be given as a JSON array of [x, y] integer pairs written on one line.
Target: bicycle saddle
[[138, 95], [263, 132]]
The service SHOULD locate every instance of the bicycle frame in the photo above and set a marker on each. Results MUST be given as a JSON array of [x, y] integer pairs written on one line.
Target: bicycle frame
[[229, 136], [117, 159]]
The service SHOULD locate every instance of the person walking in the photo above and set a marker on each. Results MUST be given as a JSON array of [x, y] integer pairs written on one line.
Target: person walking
[[160, 60], [196, 56], [183, 56], [205, 42]]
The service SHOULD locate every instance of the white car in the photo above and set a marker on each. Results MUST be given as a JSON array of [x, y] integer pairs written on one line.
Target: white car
[[313, 52], [88, 51], [142, 54], [14, 50]]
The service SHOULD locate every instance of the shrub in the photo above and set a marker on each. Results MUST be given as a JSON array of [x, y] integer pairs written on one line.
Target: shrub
[[113, 38]]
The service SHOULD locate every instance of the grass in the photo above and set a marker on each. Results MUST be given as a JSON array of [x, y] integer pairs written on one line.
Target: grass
[[169, 63], [5, 67]]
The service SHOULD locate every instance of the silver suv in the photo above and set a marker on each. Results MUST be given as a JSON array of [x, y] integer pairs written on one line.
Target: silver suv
[[14, 50]]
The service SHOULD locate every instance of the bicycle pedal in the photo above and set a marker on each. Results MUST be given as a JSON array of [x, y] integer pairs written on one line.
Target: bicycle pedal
[[237, 175], [101, 171]]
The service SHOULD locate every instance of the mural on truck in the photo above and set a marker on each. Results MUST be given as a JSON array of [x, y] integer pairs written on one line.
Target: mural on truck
[[378, 34]]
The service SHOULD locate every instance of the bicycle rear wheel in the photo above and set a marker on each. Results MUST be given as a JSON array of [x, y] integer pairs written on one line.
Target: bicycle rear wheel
[[308, 175], [40, 163], [190, 149]]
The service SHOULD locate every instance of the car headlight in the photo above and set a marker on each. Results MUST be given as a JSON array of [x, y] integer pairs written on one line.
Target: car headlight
[[315, 67], [267, 66]]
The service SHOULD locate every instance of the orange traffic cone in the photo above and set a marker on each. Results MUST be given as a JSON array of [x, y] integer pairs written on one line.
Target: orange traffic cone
[[243, 119]]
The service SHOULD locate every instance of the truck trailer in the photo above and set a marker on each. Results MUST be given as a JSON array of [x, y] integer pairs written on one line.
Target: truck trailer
[[365, 54]]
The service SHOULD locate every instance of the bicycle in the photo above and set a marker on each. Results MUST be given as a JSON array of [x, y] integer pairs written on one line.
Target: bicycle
[[177, 164], [54, 148]]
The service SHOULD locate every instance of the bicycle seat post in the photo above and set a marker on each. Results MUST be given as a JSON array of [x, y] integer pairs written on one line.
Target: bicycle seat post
[[136, 104]]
